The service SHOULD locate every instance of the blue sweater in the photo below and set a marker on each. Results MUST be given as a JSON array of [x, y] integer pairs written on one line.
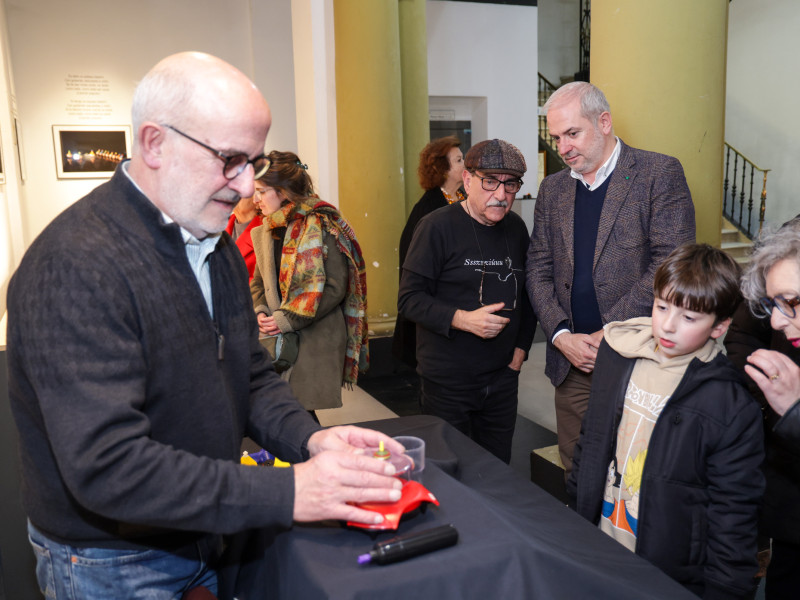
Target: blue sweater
[[585, 308]]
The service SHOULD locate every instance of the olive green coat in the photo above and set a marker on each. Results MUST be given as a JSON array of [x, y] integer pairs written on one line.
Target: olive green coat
[[316, 377]]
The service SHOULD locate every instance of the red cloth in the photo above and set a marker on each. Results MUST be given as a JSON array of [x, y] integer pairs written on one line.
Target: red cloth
[[245, 242]]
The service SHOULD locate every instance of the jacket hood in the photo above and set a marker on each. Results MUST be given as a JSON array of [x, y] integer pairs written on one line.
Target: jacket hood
[[634, 339]]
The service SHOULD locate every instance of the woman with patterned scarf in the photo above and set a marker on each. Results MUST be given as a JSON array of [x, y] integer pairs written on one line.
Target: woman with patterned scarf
[[309, 286]]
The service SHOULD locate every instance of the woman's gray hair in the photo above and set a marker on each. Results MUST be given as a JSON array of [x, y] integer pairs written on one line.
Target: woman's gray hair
[[593, 100], [161, 96], [771, 248]]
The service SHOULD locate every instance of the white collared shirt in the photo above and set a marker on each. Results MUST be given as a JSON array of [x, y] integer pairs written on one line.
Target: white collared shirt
[[197, 251], [604, 172]]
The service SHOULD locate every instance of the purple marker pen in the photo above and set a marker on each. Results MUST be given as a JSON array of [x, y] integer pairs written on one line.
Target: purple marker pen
[[412, 544]]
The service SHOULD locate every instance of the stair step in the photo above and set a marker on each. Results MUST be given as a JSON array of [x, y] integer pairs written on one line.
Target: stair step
[[730, 236], [737, 249]]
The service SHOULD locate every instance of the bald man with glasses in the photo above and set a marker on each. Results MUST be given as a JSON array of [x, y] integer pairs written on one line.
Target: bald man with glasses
[[463, 284], [135, 367]]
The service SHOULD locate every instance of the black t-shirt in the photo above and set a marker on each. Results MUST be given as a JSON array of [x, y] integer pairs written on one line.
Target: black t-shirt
[[453, 263]]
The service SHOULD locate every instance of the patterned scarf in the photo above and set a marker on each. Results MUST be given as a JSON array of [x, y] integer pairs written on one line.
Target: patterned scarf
[[302, 273]]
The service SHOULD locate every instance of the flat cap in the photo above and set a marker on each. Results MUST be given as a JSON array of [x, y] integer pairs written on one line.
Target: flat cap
[[495, 156]]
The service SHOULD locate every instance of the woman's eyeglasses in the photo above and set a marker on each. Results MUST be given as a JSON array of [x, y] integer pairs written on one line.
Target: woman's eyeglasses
[[786, 306]]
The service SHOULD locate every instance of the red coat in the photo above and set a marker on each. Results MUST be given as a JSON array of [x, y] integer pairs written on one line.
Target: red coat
[[244, 242]]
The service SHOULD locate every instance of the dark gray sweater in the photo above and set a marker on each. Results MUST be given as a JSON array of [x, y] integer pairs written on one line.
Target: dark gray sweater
[[131, 402]]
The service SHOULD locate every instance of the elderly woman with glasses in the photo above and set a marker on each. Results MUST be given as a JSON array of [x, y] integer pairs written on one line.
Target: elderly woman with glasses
[[764, 340], [772, 287], [309, 286]]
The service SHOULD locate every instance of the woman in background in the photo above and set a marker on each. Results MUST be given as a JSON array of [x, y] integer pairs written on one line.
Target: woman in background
[[243, 220], [441, 164], [309, 286]]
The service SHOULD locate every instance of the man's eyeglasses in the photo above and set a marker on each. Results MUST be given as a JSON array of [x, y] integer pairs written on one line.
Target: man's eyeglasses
[[234, 164], [490, 184], [784, 305]]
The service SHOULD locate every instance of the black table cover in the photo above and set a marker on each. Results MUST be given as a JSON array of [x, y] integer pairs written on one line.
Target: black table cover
[[515, 541]]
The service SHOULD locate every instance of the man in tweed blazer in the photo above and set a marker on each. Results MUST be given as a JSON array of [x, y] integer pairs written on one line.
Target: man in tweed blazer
[[600, 231]]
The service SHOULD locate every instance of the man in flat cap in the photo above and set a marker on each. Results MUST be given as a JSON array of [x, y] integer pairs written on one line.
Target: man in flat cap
[[463, 284], [600, 230]]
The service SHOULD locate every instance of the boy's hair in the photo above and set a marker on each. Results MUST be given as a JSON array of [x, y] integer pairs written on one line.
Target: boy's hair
[[701, 278]]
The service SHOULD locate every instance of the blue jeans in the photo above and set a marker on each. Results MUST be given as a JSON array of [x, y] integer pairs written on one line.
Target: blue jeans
[[72, 573]]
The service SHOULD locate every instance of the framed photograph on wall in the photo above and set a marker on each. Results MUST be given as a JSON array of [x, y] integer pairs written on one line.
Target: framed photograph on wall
[[90, 151]]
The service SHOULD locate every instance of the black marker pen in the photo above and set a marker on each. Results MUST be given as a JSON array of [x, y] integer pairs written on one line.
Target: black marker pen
[[412, 544]]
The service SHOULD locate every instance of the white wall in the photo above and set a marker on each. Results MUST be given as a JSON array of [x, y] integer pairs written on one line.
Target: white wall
[[47, 43], [274, 68], [12, 245], [762, 90], [51, 41], [315, 91], [559, 24], [487, 51]]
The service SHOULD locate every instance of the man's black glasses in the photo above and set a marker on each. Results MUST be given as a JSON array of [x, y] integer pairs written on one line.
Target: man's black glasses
[[490, 184], [784, 305], [234, 164]]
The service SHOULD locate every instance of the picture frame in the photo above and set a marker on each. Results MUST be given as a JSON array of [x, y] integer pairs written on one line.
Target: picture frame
[[90, 151]]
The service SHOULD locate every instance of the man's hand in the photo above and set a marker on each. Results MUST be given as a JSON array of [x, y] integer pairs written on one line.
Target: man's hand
[[580, 348], [481, 321], [350, 439], [778, 377], [267, 325], [326, 484], [517, 359]]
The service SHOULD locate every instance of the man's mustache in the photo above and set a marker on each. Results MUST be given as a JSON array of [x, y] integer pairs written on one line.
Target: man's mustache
[[500, 203]]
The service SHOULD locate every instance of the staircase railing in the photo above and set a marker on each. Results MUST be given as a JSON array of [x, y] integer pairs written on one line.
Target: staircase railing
[[546, 143], [546, 88], [738, 187]]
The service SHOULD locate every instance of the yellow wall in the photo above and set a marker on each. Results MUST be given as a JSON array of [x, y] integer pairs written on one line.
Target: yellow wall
[[661, 64], [370, 132], [414, 71]]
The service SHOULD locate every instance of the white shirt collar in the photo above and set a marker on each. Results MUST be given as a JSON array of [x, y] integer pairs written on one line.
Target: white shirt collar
[[605, 170], [188, 238]]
